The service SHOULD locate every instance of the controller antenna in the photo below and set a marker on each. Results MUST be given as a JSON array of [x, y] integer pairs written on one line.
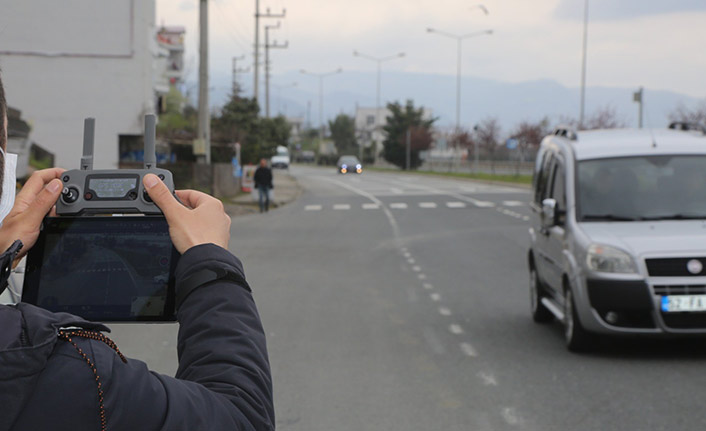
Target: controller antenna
[[89, 131], [150, 157]]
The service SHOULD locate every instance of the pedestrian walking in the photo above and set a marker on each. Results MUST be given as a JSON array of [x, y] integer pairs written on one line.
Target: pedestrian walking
[[263, 183]]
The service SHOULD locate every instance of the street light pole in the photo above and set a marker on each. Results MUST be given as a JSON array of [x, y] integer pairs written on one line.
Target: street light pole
[[583, 65], [321, 77], [458, 38], [379, 61]]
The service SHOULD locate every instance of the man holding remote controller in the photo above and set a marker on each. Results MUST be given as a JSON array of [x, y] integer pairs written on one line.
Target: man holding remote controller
[[57, 371]]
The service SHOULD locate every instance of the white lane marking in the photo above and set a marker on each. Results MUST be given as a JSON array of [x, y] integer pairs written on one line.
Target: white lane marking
[[313, 208], [388, 213], [396, 190], [525, 218], [428, 286], [460, 197], [444, 311], [488, 379], [398, 205], [404, 250], [341, 207], [407, 254], [483, 204], [416, 268], [456, 329], [421, 276], [369, 206], [510, 416], [455, 204], [513, 203], [468, 350], [435, 297], [427, 204], [410, 261]]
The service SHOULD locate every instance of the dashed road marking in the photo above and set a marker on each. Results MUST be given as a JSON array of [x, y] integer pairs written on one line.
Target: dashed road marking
[[416, 268], [406, 254], [421, 276], [428, 286], [313, 208], [340, 207], [410, 261], [427, 204], [398, 205], [510, 416], [513, 203], [435, 297], [444, 311], [488, 379], [483, 204], [456, 329], [525, 218], [456, 204], [468, 350], [370, 206], [396, 190]]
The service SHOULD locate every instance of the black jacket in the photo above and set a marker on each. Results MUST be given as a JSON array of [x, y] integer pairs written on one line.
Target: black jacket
[[223, 381], [263, 177]]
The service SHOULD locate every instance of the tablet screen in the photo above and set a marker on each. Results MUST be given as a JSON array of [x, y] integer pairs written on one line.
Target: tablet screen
[[103, 268]]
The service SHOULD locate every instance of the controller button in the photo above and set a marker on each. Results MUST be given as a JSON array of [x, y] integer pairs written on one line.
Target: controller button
[[161, 177], [132, 195], [69, 195], [88, 196], [66, 178], [146, 197]]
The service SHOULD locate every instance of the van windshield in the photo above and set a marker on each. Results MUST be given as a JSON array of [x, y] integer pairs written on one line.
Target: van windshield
[[642, 188]]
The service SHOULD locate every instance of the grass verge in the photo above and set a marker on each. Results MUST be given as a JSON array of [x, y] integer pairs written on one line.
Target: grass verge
[[514, 179]]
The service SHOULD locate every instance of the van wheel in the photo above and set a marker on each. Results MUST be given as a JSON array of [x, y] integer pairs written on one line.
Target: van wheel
[[577, 338], [540, 313]]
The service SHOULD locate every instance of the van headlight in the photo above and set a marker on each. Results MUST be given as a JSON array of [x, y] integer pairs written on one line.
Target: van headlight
[[604, 258]]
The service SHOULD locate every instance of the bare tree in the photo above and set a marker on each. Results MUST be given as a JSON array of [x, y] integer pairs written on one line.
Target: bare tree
[[604, 118], [696, 115], [487, 133]]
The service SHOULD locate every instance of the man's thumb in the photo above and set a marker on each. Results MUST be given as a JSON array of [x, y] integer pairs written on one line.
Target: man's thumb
[[160, 194]]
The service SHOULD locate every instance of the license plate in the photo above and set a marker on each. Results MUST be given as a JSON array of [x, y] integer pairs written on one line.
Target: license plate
[[676, 303]]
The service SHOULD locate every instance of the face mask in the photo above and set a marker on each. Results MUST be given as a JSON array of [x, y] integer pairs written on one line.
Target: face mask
[[9, 185]]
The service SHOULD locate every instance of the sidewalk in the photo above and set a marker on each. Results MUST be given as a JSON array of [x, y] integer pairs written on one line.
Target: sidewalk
[[286, 190]]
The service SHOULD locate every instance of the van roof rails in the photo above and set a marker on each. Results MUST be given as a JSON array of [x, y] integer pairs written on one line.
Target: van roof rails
[[686, 126], [566, 131]]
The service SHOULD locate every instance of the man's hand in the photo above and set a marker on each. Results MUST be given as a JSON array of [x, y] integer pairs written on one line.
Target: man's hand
[[202, 221], [32, 203]]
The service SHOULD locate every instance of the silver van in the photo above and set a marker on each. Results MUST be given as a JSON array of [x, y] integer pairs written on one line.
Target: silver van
[[618, 236]]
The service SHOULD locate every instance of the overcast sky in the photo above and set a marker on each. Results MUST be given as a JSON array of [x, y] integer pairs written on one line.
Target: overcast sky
[[657, 44]]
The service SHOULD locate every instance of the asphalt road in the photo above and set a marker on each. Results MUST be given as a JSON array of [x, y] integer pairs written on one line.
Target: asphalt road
[[400, 302]]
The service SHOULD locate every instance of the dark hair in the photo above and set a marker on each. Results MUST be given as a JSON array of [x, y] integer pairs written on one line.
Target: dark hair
[[3, 141]]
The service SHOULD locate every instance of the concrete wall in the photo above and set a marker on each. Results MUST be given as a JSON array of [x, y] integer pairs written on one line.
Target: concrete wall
[[66, 60]]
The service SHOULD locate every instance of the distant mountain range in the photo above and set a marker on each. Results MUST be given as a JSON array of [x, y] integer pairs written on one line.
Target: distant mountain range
[[510, 103]]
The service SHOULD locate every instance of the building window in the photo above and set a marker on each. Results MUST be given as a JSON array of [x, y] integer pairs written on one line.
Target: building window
[[370, 120]]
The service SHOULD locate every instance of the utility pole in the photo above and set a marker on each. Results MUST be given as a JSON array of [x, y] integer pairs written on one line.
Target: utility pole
[[204, 126], [268, 46], [256, 63], [637, 97], [237, 70], [583, 65], [408, 152]]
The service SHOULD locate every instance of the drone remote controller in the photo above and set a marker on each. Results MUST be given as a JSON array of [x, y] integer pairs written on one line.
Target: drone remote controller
[[87, 191]]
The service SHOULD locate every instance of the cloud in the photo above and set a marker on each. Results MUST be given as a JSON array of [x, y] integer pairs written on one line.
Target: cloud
[[610, 10]]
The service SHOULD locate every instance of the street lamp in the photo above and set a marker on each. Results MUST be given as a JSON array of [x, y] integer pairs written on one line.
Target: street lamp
[[459, 39], [379, 61], [321, 77]]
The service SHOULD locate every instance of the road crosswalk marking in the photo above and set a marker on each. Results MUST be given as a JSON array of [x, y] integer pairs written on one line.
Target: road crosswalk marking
[[513, 203], [370, 206], [341, 207], [427, 204], [456, 204], [313, 208], [398, 205]]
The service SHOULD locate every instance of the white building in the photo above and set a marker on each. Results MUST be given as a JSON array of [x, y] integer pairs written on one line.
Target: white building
[[365, 125], [63, 61]]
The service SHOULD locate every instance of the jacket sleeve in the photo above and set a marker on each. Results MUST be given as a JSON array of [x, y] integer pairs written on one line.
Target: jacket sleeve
[[223, 381]]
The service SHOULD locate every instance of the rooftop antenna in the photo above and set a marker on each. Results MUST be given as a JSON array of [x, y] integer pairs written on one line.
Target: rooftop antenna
[[89, 131], [150, 157]]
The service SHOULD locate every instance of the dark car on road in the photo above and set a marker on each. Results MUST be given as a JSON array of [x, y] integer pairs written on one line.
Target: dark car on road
[[349, 164]]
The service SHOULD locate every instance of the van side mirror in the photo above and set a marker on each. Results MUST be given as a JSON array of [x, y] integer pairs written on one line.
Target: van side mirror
[[548, 213]]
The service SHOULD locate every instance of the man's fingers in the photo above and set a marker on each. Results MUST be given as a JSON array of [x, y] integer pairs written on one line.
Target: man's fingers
[[194, 199], [43, 203], [35, 183], [161, 196]]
